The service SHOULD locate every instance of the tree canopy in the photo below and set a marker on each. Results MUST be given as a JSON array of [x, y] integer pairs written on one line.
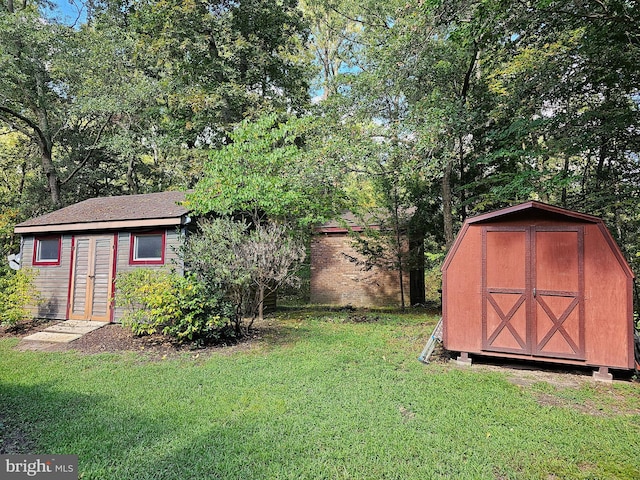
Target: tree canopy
[[442, 108]]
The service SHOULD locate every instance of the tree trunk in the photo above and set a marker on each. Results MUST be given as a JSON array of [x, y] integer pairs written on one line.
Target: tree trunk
[[416, 273], [45, 143], [565, 175], [261, 302], [131, 177], [602, 156], [447, 208], [399, 246], [463, 197], [53, 182], [23, 176]]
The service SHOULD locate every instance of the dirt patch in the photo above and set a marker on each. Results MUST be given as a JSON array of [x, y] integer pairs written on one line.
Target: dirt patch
[[362, 318], [553, 401], [440, 355], [526, 374], [555, 386], [557, 378], [407, 414]]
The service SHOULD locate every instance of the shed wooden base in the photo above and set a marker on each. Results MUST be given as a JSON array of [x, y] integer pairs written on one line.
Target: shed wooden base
[[602, 374], [464, 359], [529, 358]]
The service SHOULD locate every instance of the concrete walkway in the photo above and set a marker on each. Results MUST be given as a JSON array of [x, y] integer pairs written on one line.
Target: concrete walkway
[[65, 332]]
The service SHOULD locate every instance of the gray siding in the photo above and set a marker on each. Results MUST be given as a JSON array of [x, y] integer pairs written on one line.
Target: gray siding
[[124, 248], [170, 255], [52, 281]]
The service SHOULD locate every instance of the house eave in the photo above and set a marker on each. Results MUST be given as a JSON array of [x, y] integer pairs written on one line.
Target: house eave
[[94, 226], [340, 229]]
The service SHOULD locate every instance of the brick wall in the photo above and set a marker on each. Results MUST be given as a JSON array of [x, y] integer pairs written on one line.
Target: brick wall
[[335, 280]]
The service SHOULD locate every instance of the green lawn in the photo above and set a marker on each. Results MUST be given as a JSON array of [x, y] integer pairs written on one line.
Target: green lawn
[[322, 398]]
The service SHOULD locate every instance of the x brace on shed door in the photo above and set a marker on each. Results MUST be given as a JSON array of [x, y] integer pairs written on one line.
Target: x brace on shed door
[[533, 290]]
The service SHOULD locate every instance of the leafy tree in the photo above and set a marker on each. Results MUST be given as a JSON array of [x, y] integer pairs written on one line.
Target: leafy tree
[[245, 262], [219, 61], [333, 37], [129, 100], [378, 145], [500, 100], [36, 100], [18, 295], [273, 257], [496, 102], [264, 172], [569, 82]]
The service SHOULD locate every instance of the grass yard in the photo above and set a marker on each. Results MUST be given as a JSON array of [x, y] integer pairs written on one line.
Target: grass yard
[[317, 397]]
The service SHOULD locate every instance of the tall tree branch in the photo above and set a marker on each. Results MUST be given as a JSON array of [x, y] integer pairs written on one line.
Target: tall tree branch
[[382, 23], [30, 123], [89, 153]]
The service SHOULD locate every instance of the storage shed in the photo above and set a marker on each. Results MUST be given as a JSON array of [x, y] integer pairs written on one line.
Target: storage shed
[[337, 275], [77, 251], [542, 283]]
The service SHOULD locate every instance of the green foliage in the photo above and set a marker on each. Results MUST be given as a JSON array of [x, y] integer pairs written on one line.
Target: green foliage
[[179, 306], [264, 171], [244, 263], [221, 61], [18, 294], [130, 100], [457, 108]]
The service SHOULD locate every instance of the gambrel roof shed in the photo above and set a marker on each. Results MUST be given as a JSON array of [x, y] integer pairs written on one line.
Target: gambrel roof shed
[[539, 282]]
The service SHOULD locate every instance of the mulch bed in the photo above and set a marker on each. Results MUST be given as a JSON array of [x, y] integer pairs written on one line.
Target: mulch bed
[[113, 338], [23, 329]]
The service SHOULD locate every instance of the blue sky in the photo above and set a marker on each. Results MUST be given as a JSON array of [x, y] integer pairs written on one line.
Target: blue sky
[[69, 11]]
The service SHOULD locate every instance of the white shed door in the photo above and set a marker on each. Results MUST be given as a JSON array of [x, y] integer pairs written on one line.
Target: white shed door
[[92, 278]]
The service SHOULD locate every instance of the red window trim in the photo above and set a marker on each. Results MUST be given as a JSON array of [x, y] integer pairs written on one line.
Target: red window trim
[[46, 263], [133, 261]]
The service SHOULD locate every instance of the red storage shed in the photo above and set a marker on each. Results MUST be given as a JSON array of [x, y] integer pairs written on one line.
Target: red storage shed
[[539, 282]]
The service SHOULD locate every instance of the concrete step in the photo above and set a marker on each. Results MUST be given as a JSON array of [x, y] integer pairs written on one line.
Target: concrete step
[[65, 332], [54, 337], [75, 326]]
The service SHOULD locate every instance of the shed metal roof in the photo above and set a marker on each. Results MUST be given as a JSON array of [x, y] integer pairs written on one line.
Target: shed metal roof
[[127, 211], [347, 221]]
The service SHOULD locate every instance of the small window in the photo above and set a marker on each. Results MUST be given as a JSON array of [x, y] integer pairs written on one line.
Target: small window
[[46, 250], [147, 248]]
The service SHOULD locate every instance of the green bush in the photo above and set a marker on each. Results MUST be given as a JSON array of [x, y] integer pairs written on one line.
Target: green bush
[[18, 294], [167, 302]]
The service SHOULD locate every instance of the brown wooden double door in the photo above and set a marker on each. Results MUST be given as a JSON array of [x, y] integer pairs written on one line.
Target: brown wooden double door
[[533, 290], [92, 278]]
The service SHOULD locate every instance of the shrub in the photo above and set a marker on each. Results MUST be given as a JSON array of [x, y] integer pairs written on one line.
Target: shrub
[[18, 294], [172, 304], [244, 262]]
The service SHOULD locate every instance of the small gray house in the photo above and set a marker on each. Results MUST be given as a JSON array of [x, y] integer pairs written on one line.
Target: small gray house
[[77, 251]]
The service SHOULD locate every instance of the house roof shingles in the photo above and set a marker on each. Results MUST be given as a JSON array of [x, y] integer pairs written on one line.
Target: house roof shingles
[[146, 210]]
